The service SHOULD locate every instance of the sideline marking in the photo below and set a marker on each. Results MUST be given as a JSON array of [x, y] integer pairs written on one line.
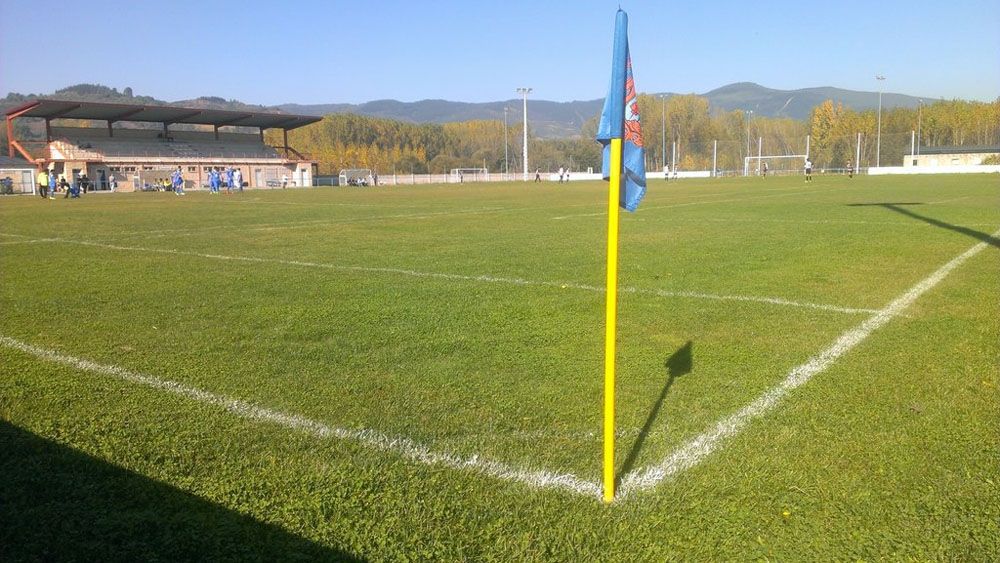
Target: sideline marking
[[481, 278], [404, 447], [696, 449]]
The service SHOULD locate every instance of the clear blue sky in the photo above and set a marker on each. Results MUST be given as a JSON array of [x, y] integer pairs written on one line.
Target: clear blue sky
[[336, 51]]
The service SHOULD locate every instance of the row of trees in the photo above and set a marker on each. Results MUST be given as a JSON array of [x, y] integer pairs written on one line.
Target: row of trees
[[681, 130], [835, 129]]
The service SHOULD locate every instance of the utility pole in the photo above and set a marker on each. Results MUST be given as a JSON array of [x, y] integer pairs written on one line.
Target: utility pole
[[524, 157]]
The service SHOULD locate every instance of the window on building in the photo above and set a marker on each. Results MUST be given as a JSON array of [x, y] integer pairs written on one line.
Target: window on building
[[192, 168]]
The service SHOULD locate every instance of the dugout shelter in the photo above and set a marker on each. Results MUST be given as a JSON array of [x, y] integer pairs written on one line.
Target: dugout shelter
[[134, 143]]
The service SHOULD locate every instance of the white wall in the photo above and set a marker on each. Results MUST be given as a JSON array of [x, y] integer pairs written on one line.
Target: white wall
[[956, 169]]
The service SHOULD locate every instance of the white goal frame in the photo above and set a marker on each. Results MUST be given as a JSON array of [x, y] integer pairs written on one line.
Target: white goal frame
[[348, 174], [760, 159], [470, 174]]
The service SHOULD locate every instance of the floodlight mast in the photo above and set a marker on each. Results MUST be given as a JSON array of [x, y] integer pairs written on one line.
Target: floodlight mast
[[663, 129], [524, 91], [746, 162], [878, 142], [920, 107], [506, 170]]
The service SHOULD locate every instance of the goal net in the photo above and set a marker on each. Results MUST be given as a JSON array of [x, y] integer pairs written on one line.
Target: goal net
[[469, 174], [355, 177]]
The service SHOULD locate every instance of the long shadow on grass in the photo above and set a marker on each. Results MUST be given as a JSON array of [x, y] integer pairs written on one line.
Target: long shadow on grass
[[58, 504], [987, 238], [679, 363]]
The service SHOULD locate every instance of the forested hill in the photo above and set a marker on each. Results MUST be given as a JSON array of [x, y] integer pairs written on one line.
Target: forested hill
[[548, 119], [565, 119], [105, 94]]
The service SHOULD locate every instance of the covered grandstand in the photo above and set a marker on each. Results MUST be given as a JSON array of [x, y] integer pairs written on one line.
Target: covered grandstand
[[139, 144]]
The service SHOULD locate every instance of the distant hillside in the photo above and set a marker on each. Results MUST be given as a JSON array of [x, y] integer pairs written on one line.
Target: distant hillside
[[105, 94], [564, 119], [797, 104], [548, 119]]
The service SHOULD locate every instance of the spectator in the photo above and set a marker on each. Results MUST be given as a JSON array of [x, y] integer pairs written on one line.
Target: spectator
[[43, 182]]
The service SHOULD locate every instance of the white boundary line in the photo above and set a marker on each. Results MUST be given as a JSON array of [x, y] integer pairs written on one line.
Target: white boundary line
[[480, 278], [703, 445], [372, 439]]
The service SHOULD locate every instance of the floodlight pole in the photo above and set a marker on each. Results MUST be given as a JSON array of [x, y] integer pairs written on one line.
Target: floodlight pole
[[760, 143], [715, 154], [857, 155], [746, 161], [524, 157], [506, 169], [920, 107], [663, 129], [878, 142]]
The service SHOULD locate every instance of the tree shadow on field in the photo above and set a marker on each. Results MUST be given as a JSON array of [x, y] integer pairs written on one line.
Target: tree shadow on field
[[984, 237], [678, 364], [58, 504]]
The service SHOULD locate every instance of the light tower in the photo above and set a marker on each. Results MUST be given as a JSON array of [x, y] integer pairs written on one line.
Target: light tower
[[746, 161], [878, 142], [506, 169], [920, 107], [663, 128], [524, 157]]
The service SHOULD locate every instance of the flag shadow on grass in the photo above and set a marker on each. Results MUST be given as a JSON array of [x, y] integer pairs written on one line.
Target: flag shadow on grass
[[678, 364], [59, 504], [987, 238]]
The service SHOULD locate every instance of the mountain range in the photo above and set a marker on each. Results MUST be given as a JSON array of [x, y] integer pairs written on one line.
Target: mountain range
[[548, 119]]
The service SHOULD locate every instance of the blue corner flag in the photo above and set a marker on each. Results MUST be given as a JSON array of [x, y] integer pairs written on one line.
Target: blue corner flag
[[620, 120]]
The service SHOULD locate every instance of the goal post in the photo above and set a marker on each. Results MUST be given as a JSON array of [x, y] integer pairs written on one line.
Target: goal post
[[777, 164], [354, 177], [469, 175]]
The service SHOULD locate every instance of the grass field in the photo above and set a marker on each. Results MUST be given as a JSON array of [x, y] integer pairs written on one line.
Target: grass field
[[805, 371]]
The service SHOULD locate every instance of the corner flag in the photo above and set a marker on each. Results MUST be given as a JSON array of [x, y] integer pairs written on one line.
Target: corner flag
[[621, 135], [620, 120]]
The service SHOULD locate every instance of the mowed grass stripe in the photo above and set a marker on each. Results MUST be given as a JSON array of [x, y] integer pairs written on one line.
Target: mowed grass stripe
[[485, 278]]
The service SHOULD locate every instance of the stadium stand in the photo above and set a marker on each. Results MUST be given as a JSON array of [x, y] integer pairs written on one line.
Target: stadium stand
[[130, 150]]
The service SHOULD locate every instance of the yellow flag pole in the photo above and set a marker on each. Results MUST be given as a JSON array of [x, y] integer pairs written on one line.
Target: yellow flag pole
[[611, 318]]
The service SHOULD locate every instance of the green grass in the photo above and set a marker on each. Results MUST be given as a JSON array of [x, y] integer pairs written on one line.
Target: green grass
[[890, 453]]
